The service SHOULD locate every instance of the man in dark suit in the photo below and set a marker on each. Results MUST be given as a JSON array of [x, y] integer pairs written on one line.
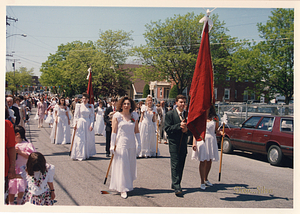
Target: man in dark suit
[[175, 126], [10, 102], [107, 120]]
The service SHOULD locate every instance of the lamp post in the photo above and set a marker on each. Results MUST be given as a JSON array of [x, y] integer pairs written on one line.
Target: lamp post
[[24, 35]]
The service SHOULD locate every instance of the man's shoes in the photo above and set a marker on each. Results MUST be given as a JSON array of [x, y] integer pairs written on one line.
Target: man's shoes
[[178, 192], [207, 183], [107, 155], [202, 186]]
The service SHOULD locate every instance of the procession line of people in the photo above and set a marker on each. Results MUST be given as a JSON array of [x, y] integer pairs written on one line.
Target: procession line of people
[[130, 133]]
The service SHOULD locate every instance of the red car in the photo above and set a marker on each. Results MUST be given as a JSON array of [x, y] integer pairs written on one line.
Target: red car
[[266, 134]]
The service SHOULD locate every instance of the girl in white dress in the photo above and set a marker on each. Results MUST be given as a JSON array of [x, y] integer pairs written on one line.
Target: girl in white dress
[[99, 124], [84, 140], [125, 133], [50, 118], [207, 151], [61, 124], [147, 129]]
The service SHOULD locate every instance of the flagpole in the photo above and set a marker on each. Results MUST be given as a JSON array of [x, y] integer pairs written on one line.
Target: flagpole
[[221, 152]]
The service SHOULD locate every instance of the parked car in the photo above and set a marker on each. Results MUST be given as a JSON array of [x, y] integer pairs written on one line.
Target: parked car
[[264, 134]]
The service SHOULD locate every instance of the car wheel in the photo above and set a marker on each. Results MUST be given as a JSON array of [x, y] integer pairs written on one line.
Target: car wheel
[[227, 147], [274, 155]]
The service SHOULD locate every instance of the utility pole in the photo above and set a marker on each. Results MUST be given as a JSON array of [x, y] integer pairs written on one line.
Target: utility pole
[[14, 67], [10, 18]]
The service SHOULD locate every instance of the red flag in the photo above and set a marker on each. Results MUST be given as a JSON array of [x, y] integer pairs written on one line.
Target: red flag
[[90, 88], [201, 92]]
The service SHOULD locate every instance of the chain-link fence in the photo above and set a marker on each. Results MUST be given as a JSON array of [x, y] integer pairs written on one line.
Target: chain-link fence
[[238, 113]]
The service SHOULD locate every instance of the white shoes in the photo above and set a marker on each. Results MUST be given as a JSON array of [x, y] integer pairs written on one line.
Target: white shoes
[[203, 187], [124, 195], [207, 183]]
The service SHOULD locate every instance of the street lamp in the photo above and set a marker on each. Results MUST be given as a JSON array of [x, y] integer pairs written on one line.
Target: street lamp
[[24, 35]]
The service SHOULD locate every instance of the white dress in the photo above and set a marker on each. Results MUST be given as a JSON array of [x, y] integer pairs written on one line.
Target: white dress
[[49, 118], [124, 171], [99, 124], [207, 150], [63, 133], [84, 140], [147, 132]]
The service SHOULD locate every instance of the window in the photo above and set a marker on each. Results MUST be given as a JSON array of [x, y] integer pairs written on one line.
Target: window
[[227, 94], [252, 96], [287, 125], [160, 92], [235, 94], [266, 124], [245, 95], [251, 123]]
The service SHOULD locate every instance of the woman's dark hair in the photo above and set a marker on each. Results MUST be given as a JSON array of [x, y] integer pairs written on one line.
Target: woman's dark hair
[[19, 129], [101, 102], [36, 162], [62, 98], [121, 101], [84, 94], [212, 112], [6, 113]]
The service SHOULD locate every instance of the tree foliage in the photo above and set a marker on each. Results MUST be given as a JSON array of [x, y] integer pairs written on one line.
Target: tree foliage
[[68, 66], [172, 47], [269, 63], [174, 91], [146, 91], [21, 76]]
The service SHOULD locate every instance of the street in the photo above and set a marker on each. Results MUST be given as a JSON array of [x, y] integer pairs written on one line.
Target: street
[[247, 180]]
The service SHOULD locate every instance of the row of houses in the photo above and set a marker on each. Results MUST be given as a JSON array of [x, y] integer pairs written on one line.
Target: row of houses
[[230, 91]]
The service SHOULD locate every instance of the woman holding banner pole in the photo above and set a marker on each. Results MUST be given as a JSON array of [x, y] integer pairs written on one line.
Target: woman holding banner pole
[[207, 151], [125, 133]]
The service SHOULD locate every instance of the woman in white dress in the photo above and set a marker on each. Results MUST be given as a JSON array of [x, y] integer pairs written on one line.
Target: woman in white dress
[[147, 129], [84, 140], [99, 124], [125, 133], [61, 124], [207, 151]]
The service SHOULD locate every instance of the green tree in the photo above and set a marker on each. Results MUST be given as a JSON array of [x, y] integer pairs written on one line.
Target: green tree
[[269, 63], [21, 76], [172, 47], [173, 92], [146, 91], [68, 66], [115, 45]]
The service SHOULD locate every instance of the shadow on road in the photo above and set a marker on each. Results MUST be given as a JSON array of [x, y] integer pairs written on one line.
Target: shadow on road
[[250, 197], [139, 191], [286, 162], [59, 154]]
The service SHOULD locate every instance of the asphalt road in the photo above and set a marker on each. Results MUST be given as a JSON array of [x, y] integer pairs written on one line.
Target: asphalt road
[[247, 180]]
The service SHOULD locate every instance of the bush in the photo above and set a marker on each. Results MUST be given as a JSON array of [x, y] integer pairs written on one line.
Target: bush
[[146, 91], [173, 92]]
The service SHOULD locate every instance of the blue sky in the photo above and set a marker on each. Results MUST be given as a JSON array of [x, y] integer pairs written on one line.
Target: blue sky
[[49, 26]]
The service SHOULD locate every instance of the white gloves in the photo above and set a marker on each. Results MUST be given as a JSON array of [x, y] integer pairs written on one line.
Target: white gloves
[[138, 138], [112, 143]]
